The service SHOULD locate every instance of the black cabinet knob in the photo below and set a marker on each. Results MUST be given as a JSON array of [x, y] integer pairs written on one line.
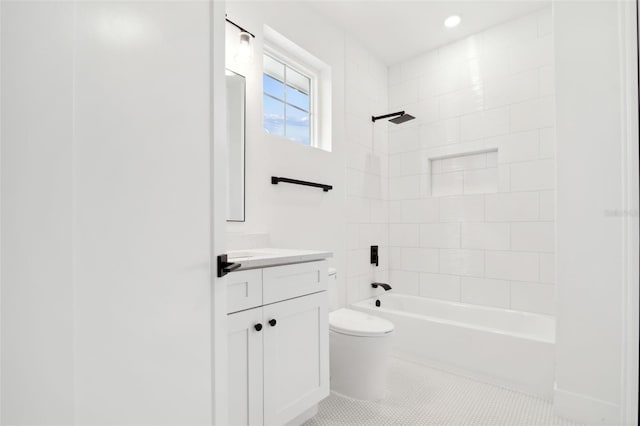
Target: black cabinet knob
[[272, 322], [258, 327]]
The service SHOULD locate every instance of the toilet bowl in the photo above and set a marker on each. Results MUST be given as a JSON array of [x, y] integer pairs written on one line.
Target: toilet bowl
[[359, 352]]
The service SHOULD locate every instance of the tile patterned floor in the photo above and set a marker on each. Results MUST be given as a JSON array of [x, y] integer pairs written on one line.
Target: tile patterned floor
[[419, 395]]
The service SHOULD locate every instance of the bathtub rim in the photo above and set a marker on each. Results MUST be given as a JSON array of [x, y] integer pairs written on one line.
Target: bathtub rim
[[369, 304]]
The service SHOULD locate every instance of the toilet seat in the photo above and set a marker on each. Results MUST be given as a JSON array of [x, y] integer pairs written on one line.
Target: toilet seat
[[355, 323]]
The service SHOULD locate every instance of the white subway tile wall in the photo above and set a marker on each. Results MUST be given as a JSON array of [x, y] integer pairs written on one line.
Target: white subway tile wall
[[465, 174], [476, 227], [368, 171]]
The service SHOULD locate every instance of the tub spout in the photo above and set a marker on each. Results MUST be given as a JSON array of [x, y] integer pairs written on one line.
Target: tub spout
[[386, 287]]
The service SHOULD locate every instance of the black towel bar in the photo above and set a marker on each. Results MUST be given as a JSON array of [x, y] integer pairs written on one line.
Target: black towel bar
[[275, 180]]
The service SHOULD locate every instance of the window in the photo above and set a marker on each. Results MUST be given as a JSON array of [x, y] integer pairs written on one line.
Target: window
[[288, 101]]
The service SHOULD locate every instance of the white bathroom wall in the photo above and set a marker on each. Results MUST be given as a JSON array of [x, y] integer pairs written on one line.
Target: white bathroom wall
[[106, 287], [597, 209], [293, 216], [487, 234], [367, 206], [299, 217]]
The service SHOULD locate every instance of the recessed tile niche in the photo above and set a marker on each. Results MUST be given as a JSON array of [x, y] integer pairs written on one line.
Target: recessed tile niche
[[465, 174]]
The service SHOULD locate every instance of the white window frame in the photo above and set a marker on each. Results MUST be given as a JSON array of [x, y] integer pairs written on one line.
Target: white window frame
[[313, 75]]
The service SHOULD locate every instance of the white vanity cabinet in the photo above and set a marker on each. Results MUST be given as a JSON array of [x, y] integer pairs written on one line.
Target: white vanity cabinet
[[279, 349], [245, 368]]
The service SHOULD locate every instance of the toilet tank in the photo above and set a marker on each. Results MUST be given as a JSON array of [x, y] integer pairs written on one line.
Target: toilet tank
[[334, 294]]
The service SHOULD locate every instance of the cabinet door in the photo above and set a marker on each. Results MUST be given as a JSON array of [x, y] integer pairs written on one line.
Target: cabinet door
[[296, 357], [245, 368]]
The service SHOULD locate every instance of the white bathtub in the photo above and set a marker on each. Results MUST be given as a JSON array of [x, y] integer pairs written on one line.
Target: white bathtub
[[508, 348]]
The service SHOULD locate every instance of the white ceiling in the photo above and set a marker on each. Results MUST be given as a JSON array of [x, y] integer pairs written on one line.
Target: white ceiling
[[398, 30]]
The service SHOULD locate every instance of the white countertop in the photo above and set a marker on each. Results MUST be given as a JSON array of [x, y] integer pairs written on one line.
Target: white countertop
[[264, 257]]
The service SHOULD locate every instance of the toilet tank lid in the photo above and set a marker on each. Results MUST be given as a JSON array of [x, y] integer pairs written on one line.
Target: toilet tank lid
[[356, 323]]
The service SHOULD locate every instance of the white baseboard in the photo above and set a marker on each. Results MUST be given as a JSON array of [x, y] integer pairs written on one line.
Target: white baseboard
[[585, 409]]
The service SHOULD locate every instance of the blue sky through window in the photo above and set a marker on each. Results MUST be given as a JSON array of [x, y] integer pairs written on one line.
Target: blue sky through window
[[287, 104], [273, 116], [297, 125], [273, 87], [297, 98]]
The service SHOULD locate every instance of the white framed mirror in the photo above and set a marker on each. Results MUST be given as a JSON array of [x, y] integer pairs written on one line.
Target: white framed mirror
[[236, 144]]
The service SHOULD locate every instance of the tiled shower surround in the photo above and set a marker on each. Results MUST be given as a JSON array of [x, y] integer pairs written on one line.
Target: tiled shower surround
[[367, 170], [472, 178]]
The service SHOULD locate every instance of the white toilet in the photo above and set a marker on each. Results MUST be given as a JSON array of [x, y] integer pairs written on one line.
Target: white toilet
[[359, 350]]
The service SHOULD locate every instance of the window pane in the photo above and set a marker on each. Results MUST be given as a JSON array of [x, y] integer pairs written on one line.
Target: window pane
[[298, 81], [273, 67], [272, 87], [273, 116], [297, 98], [298, 125]]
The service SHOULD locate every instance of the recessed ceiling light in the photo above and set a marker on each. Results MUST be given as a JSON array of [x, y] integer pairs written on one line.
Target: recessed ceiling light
[[452, 21]]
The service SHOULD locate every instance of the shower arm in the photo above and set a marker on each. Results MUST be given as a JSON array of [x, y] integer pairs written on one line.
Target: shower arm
[[382, 117]]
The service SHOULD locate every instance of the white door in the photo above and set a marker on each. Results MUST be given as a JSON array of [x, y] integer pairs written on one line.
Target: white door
[[296, 357], [218, 175], [245, 367], [106, 206]]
